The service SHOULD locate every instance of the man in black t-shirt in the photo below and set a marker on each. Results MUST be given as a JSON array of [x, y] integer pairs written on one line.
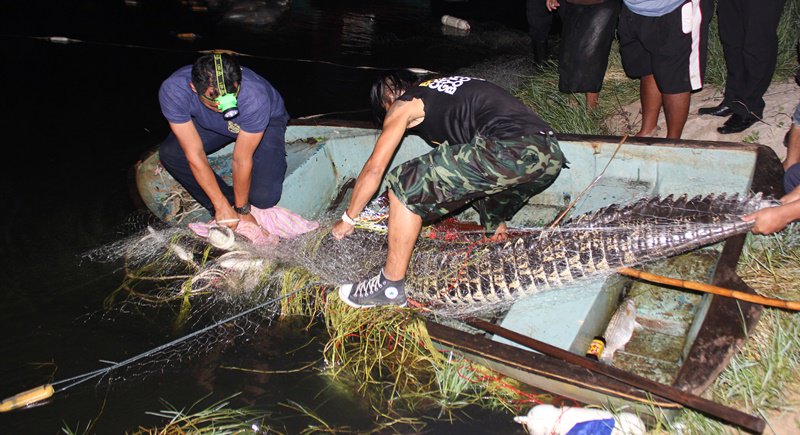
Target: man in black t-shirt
[[491, 152]]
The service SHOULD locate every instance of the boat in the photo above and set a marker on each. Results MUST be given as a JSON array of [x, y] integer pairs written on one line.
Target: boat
[[687, 338]]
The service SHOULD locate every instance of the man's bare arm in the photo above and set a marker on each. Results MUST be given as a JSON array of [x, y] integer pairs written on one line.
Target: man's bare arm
[[192, 146], [400, 116]]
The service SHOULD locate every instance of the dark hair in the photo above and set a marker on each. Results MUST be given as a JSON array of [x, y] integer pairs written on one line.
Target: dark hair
[[390, 83], [204, 73]]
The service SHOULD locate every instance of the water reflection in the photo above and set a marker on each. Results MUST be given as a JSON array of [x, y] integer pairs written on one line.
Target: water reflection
[[357, 32], [250, 15]]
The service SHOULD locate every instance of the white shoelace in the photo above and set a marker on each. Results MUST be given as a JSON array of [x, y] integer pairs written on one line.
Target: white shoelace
[[366, 288]]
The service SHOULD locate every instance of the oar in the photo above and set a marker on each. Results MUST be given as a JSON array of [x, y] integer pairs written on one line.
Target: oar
[[708, 288], [733, 416], [26, 398]]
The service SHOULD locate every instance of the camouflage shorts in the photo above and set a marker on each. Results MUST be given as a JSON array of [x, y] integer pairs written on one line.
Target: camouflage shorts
[[496, 177]]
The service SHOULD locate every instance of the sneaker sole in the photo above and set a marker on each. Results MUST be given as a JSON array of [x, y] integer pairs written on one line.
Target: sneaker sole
[[344, 295]]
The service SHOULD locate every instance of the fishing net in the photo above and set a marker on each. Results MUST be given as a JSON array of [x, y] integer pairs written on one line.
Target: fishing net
[[210, 297], [455, 271]]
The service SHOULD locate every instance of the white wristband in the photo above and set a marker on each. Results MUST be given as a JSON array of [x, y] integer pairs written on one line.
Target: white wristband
[[347, 219]]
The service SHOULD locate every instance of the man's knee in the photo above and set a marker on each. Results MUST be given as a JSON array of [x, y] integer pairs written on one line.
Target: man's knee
[[552, 160], [265, 197], [792, 178]]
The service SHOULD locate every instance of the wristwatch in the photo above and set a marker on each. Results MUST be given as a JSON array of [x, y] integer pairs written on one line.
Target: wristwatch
[[347, 219], [245, 209]]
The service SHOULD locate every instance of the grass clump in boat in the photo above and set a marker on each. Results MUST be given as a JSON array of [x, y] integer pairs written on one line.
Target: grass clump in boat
[[385, 356], [308, 301], [387, 353]]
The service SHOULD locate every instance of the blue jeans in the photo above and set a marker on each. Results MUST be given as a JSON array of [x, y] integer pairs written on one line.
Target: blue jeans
[[269, 166], [791, 179]]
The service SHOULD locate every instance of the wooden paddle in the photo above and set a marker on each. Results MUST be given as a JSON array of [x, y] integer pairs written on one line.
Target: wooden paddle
[[708, 288], [733, 416]]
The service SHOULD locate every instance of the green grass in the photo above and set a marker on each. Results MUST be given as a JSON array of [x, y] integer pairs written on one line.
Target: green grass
[[565, 112], [216, 419]]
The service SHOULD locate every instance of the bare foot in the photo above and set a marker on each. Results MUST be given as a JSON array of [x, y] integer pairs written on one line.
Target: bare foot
[[643, 133], [500, 234]]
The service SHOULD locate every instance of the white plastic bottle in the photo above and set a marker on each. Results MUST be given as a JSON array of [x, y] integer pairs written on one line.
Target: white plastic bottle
[[549, 420], [458, 23]]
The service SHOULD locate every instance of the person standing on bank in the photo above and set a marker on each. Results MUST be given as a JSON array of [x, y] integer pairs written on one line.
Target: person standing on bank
[[540, 20], [208, 105], [588, 29], [661, 44], [490, 151], [748, 32]]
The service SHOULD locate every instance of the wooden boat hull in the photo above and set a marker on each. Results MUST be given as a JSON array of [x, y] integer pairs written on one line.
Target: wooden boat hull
[[324, 161]]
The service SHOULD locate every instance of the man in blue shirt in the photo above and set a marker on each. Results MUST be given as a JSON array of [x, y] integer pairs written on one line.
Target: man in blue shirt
[[210, 104]]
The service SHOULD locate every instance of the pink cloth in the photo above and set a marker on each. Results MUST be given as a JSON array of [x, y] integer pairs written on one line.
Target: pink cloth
[[273, 224]]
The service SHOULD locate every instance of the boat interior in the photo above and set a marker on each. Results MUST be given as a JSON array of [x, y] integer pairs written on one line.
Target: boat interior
[[323, 162]]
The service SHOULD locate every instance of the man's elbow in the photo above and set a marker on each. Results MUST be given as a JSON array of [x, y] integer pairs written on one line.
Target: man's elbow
[[241, 160], [372, 173], [196, 160]]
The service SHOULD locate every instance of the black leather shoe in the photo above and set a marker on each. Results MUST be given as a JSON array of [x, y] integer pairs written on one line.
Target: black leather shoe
[[721, 110], [737, 123]]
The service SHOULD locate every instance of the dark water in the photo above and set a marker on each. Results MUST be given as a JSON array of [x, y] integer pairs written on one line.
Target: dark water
[[78, 115]]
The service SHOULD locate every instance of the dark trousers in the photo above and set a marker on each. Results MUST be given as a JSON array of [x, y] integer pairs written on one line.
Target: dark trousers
[[707, 8], [791, 179], [586, 35], [269, 166], [539, 20], [747, 30]]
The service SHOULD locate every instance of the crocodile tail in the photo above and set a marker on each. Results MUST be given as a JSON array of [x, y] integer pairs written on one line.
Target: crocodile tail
[[586, 246]]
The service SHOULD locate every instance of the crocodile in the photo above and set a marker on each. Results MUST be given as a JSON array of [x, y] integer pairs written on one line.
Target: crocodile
[[467, 275], [585, 246]]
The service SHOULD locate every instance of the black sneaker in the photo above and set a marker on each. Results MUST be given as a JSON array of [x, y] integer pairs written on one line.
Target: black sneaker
[[374, 291]]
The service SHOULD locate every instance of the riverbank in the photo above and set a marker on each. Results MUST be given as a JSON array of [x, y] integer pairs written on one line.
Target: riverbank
[[781, 99]]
